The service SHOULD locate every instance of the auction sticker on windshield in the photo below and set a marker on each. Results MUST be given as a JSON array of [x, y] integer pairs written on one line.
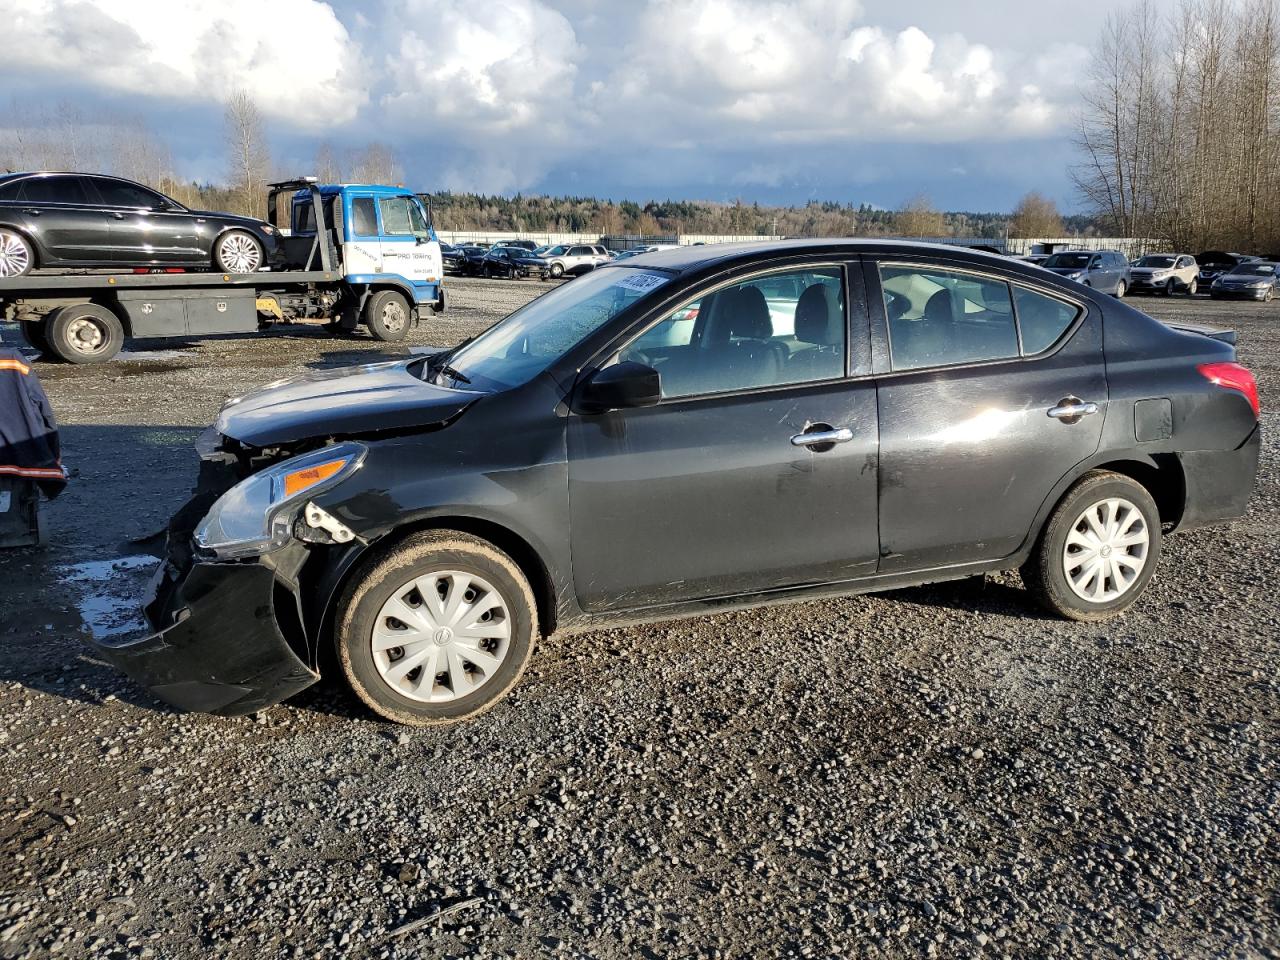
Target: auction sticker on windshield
[[642, 282]]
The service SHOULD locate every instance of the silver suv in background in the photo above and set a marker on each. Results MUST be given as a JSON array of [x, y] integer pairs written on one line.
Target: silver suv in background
[[1166, 273], [574, 258], [1105, 270]]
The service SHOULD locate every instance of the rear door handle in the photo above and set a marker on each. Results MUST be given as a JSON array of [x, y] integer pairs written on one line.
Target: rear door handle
[[32, 213], [820, 437], [118, 216], [1072, 409]]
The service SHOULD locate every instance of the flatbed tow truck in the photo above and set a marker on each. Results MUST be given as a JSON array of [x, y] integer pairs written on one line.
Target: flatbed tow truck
[[357, 255]]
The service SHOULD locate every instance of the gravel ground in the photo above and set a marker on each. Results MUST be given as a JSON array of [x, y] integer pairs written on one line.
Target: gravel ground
[[939, 771]]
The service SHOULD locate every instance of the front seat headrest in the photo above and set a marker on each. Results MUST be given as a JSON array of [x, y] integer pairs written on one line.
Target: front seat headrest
[[748, 315], [816, 320]]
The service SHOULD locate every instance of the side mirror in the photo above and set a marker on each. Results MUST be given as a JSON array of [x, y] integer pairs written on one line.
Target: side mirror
[[620, 387]]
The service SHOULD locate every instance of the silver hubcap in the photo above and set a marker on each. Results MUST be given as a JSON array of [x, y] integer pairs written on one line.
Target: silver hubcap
[[441, 636], [85, 335], [240, 254], [1106, 550], [15, 257], [393, 316]]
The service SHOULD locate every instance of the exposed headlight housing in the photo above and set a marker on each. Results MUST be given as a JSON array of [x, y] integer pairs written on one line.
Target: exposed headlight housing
[[268, 229], [1257, 284], [1075, 276], [253, 517]]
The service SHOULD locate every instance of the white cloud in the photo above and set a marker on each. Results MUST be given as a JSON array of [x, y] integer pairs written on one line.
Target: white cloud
[[294, 56]]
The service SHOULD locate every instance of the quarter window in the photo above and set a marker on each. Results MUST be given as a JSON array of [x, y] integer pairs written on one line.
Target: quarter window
[[1041, 319], [364, 222], [783, 328], [395, 217]]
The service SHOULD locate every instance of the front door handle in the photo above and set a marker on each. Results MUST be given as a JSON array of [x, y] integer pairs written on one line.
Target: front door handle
[[820, 438], [32, 213], [1073, 410], [117, 215]]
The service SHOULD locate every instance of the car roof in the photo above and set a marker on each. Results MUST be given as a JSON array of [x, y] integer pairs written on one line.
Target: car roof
[[692, 258]]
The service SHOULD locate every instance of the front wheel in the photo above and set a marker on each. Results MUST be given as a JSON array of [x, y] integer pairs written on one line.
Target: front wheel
[[1193, 287], [437, 630], [1121, 290], [1099, 549], [557, 271], [238, 252], [84, 333], [387, 316], [35, 333]]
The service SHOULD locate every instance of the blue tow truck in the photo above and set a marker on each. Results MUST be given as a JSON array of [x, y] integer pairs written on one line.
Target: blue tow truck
[[357, 255]]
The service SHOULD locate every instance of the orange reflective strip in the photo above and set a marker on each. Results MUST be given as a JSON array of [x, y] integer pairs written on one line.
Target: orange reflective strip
[[52, 473], [15, 365]]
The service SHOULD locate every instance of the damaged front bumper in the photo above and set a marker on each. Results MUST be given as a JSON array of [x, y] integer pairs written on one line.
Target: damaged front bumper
[[219, 647]]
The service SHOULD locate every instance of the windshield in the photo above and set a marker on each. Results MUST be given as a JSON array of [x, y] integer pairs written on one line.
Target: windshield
[[557, 251], [1068, 260], [1253, 270], [515, 350], [1155, 262]]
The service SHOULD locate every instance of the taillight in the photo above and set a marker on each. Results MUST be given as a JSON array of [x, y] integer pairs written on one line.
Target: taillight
[[1234, 377]]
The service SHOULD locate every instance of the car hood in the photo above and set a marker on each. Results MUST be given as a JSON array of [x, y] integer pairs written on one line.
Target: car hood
[[1227, 280], [229, 218], [352, 401], [1063, 270]]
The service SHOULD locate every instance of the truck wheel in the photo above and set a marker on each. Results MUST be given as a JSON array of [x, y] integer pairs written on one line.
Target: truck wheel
[[1099, 549], [34, 332], [238, 251], [557, 271], [437, 630], [17, 256], [387, 316], [84, 333]]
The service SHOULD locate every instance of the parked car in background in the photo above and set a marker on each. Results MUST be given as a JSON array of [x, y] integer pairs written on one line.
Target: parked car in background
[[513, 263], [1166, 273], [1035, 259], [604, 455], [1213, 263], [575, 258], [473, 255], [1249, 280], [1105, 270], [452, 256], [529, 245], [88, 220]]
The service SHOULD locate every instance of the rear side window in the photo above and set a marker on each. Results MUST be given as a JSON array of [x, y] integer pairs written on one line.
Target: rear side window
[[941, 317], [364, 221], [1041, 319], [395, 217], [53, 190]]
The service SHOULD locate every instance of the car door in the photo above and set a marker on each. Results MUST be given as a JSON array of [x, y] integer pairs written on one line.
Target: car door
[[147, 228], [726, 486], [63, 219], [407, 248], [980, 378]]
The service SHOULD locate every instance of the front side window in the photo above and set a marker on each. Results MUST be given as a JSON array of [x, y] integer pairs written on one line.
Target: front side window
[[117, 193], [395, 217], [778, 329], [364, 222], [58, 190]]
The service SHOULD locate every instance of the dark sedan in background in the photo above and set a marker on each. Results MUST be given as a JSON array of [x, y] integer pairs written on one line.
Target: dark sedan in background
[[66, 220], [697, 429], [514, 263], [1249, 280]]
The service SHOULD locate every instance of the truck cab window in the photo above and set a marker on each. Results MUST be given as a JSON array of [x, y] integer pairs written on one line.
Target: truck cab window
[[364, 222], [395, 217]]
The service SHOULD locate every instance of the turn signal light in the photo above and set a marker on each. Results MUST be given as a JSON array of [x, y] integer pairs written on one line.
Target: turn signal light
[[1233, 376], [300, 480]]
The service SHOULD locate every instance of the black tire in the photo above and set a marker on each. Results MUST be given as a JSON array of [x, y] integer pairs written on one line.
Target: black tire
[[34, 332], [1121, 289], [84, 333], [387, 315], [17, 255], [1045, 571], [557, 271], [238, 251], [1193, 287], [374, 584], [1169, 287]]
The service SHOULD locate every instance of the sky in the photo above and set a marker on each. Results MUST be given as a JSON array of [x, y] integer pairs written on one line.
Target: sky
[[861, 101]]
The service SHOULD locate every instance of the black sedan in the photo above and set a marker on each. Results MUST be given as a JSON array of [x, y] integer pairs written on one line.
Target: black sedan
[[1249, 280], [470, 258], [698, 429], [90, 221], [513, 263]]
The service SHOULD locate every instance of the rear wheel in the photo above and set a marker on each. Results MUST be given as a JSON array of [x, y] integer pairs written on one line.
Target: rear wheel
[[34, 332], [437, 630], [17, 256], [387, 316], [84, 333], [1099, 549]]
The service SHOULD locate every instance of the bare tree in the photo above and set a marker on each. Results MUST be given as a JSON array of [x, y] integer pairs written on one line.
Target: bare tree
[[249, 158], [326, 167], [1035, 216], [918, 218], [376, 164]]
